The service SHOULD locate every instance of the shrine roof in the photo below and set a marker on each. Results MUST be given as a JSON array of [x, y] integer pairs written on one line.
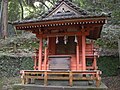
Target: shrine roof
[[63, 9], [65, 13], [70, 4]]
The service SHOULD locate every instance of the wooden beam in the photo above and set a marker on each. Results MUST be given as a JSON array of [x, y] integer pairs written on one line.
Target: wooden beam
[[63, 34], [71, 26], [38, 24]]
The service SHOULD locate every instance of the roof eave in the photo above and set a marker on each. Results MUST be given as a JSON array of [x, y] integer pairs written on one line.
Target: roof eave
[[59, 19]]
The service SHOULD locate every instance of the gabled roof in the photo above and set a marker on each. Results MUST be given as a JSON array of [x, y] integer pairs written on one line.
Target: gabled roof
[[68, 4], [73, 12]]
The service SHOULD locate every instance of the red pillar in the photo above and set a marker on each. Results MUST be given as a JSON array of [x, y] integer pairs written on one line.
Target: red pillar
[[45, 58], [78, 56], [95, 63], [83, 51], [40, 54]]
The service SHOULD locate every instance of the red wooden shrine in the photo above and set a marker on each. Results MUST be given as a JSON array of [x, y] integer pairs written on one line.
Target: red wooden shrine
[[66, 34]]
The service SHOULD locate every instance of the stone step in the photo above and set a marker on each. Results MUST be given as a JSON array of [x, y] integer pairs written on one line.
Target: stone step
[[62, 86]]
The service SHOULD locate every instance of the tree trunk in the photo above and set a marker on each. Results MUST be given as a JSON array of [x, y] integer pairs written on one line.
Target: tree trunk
[[119, 51], [4, 18], [22, 11], [1, 18]]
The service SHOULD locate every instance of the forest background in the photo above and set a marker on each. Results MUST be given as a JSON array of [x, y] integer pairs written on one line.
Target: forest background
[[17, 47]]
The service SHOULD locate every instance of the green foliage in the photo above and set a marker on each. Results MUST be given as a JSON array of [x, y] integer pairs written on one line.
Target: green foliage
[[13, 10], [10, 66], [108, 65], [109, 37], [21, 44], [7, 83], [26, 63]]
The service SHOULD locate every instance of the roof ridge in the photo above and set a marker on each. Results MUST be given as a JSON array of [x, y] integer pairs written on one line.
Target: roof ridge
[[70, 3], [55, 5], [76, 7]]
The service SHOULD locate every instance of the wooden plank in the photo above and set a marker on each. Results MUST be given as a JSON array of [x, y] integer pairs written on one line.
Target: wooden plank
[[35, 77], [56, 73], [34, 72], [83, 78], [58, 78]]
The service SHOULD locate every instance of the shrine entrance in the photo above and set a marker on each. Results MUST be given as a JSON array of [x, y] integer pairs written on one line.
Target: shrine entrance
[[65, 48], [66, 45]]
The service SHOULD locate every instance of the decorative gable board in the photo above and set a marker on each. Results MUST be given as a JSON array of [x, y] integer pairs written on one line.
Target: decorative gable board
[[63, 9]]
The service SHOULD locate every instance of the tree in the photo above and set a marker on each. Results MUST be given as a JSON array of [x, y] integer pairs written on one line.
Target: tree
[[4, 18]]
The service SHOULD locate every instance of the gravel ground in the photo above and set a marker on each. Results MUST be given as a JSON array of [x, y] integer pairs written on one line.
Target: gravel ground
[[113, 83]]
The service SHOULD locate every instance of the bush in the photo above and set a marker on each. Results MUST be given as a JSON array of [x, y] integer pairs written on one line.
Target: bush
[[108, 65], [10, 66]]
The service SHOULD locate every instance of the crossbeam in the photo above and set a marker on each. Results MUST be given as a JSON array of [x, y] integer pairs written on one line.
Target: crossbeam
[[61, 34]]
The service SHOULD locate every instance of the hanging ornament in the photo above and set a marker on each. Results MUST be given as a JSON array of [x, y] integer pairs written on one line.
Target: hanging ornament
[[47, 41], [57, 40], [65, 39], [75, 39]]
